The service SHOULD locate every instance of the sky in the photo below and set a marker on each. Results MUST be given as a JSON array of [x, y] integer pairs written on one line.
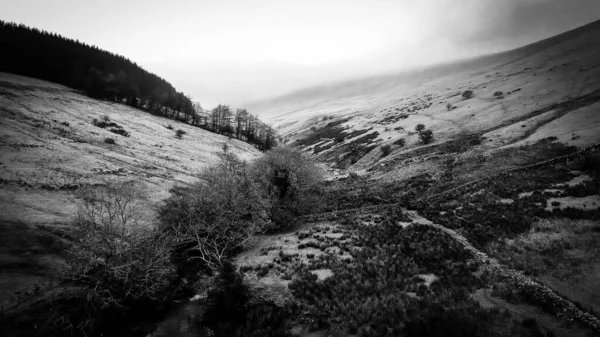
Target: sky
[[237, 51]]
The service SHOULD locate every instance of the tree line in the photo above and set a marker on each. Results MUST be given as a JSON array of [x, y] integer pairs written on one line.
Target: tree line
[[104, 75]]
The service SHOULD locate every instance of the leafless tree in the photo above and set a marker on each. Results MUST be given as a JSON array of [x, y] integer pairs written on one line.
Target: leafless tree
[[113, 257], [218, 215]]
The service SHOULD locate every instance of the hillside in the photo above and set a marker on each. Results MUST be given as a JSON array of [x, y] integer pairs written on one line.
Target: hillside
[[100, 73], [489, 228], [50, 149], [530, 81], [104, 75], [511, 175]]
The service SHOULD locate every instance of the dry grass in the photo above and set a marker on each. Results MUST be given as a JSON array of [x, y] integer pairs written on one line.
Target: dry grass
[[44, 162]]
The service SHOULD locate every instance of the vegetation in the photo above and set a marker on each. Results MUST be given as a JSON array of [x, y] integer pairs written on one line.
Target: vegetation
[[179, 133], [386, 150], [100, 73], [113, 127], [213, 219], [484, 219], [467, 94], [104, 75], [381, 293], [291, 182], [400, 142], [426, 136], [231, 312], [113, 259]]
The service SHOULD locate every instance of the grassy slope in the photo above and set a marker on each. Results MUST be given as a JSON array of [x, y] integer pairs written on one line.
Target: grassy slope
[[555, 70], [43, 162], [557, 84]]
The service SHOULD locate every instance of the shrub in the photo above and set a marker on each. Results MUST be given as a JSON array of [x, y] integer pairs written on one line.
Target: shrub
[[119, 131], [426, 136], [179, 133], [170, 127], [215, 218], [228, 302], [105, 119], [498, 94], [420, 127], [386, 150], [109, 141], [400, 142], [113, 258], [65, 123], [467, 94], [449, 106], [290, 180]]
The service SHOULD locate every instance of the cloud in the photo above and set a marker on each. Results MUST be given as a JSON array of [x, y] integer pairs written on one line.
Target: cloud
[[240, 50], [516, 21]]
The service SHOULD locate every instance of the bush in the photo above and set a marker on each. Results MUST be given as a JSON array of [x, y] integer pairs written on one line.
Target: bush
[[426, 136], [467, 94], [290, 180], [179, 133], [105, 119], [109, 141], [216, 217], [400, 142], [119, 131], [449, 106], [113, 258], [386, 150], [170, 127], [420, 127], [498, 94], [227, 311]]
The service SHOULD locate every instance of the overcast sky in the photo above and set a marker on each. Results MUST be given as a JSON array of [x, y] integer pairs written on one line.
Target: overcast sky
[[235, 51]]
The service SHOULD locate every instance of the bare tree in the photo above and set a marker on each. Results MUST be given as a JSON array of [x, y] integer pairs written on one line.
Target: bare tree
[[214, 218], [113, 257]]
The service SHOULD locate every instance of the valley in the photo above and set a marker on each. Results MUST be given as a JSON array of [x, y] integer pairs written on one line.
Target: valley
[[456, 200]]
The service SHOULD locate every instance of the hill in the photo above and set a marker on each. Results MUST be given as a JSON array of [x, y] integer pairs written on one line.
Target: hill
[[50, 148], [514, 100], [101, 74], [104, 75]]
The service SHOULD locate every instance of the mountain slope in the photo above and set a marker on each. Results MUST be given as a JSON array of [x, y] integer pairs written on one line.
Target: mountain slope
[[49, 149], [49, 143], [561, 70]]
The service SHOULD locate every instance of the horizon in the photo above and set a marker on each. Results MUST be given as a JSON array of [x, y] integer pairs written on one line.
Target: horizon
[[223, 53]]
